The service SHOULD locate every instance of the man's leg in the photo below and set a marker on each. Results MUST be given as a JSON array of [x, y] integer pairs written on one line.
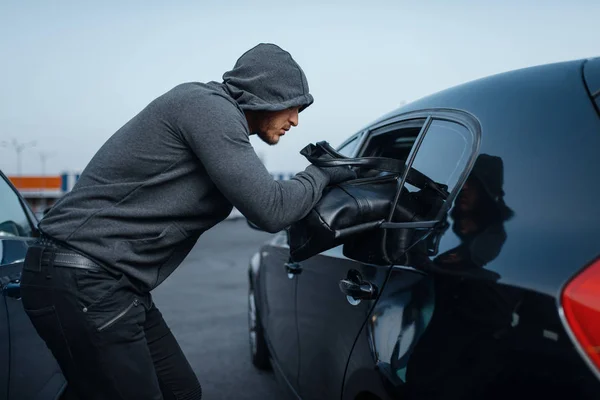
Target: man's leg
[[175, 375], [93, 323]]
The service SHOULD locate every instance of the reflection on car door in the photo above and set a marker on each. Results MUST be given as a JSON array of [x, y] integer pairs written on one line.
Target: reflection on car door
[[327, 322]]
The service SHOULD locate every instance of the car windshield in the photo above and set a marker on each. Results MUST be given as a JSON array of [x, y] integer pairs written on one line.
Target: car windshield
[[13, 218]]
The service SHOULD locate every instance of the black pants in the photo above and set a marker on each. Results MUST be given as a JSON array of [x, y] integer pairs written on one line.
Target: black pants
[[110, 341]]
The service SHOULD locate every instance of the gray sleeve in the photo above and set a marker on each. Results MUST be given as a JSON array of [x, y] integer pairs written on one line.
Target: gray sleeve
[[217, 133]]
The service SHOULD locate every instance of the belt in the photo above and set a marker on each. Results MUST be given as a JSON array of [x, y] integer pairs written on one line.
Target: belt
[[64, 258], [51, 250]]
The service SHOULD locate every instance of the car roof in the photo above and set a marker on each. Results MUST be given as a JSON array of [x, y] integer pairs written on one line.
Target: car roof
[[492, 90]]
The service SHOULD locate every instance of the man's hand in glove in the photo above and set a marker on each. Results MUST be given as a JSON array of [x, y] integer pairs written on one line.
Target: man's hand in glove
[[338, 174]]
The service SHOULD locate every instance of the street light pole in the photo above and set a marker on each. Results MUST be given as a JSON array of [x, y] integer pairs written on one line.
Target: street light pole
[[43, 157], [18, 147]]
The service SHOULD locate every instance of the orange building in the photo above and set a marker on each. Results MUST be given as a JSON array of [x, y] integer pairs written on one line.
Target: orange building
[[42, 192]]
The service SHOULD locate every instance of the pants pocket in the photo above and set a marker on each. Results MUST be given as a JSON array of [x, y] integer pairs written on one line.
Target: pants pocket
[[119, 316], [95, 286], [109, 303], [119, 312]]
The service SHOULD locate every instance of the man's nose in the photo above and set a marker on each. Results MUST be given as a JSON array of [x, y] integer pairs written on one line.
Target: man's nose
[[294, 117]]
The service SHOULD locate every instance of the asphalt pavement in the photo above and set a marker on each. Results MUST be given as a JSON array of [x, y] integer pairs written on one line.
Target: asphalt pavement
[[205, 304]]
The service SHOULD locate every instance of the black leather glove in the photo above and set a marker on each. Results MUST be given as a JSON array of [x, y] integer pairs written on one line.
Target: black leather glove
[[339, 174]]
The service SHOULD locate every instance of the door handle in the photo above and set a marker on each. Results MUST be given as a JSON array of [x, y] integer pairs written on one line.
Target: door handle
[[358, 290], [12, 289], [292, 269]]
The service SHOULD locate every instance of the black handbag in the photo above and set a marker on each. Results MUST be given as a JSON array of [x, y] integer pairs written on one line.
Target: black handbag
[[394, 245], [351, 211]]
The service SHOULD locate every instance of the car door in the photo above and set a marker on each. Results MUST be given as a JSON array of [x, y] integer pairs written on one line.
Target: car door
[[4, 348], [378, 363], [328, 320], [278, 278], [278, 307], [28, 368]]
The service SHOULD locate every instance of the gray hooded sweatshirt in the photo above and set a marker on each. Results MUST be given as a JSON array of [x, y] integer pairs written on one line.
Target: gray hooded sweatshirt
[[177, 168]]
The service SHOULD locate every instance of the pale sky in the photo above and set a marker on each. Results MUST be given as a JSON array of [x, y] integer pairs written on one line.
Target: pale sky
[[73, 72]]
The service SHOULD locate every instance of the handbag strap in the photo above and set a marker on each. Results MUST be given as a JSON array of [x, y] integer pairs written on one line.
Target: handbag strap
[[323, 155], [315, 154]]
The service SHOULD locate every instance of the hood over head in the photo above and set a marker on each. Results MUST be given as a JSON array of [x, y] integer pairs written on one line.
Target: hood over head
[[489, 170], [266, 78]]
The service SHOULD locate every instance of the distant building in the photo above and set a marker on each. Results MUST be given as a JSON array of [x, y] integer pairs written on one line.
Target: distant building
[[41, 192]]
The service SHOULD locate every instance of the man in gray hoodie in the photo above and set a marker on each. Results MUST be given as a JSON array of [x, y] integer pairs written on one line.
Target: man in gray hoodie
[[169, 174]]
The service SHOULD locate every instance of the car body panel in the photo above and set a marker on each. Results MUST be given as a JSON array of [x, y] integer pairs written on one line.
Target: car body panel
[[325, 315], [277, 299], [547, 112], [457, 332], [548, 240], [379, 360], [4, 349]]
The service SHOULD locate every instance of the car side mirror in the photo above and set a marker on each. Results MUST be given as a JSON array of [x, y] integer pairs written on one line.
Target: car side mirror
[[9, 228], [12, 289]]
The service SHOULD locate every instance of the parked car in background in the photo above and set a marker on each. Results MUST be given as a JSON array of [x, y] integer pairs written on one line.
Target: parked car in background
[[503, 298], [27, 368]]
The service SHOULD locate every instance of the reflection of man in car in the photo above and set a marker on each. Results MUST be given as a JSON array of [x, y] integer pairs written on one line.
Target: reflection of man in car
[[479, 214], [168, 175], [462, 350]]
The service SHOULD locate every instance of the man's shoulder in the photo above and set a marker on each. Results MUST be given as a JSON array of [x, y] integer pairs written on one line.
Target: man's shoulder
[[193, 105], [201, 91], [209, 96], [194, 88]]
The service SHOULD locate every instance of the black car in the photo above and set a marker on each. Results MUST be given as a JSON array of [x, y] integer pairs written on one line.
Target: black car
[[505, 303], [27, 368]]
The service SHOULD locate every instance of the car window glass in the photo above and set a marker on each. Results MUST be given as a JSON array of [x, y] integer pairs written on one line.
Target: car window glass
[[13, 219], [391, 141], [349, 148], [395, 142], [444, 152]]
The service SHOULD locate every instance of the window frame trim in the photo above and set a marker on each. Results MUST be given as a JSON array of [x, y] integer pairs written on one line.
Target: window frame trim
[[361, 135], [31, 218], [460, 117]]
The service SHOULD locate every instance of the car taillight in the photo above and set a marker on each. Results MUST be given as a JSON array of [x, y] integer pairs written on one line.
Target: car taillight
[[581, 305]]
